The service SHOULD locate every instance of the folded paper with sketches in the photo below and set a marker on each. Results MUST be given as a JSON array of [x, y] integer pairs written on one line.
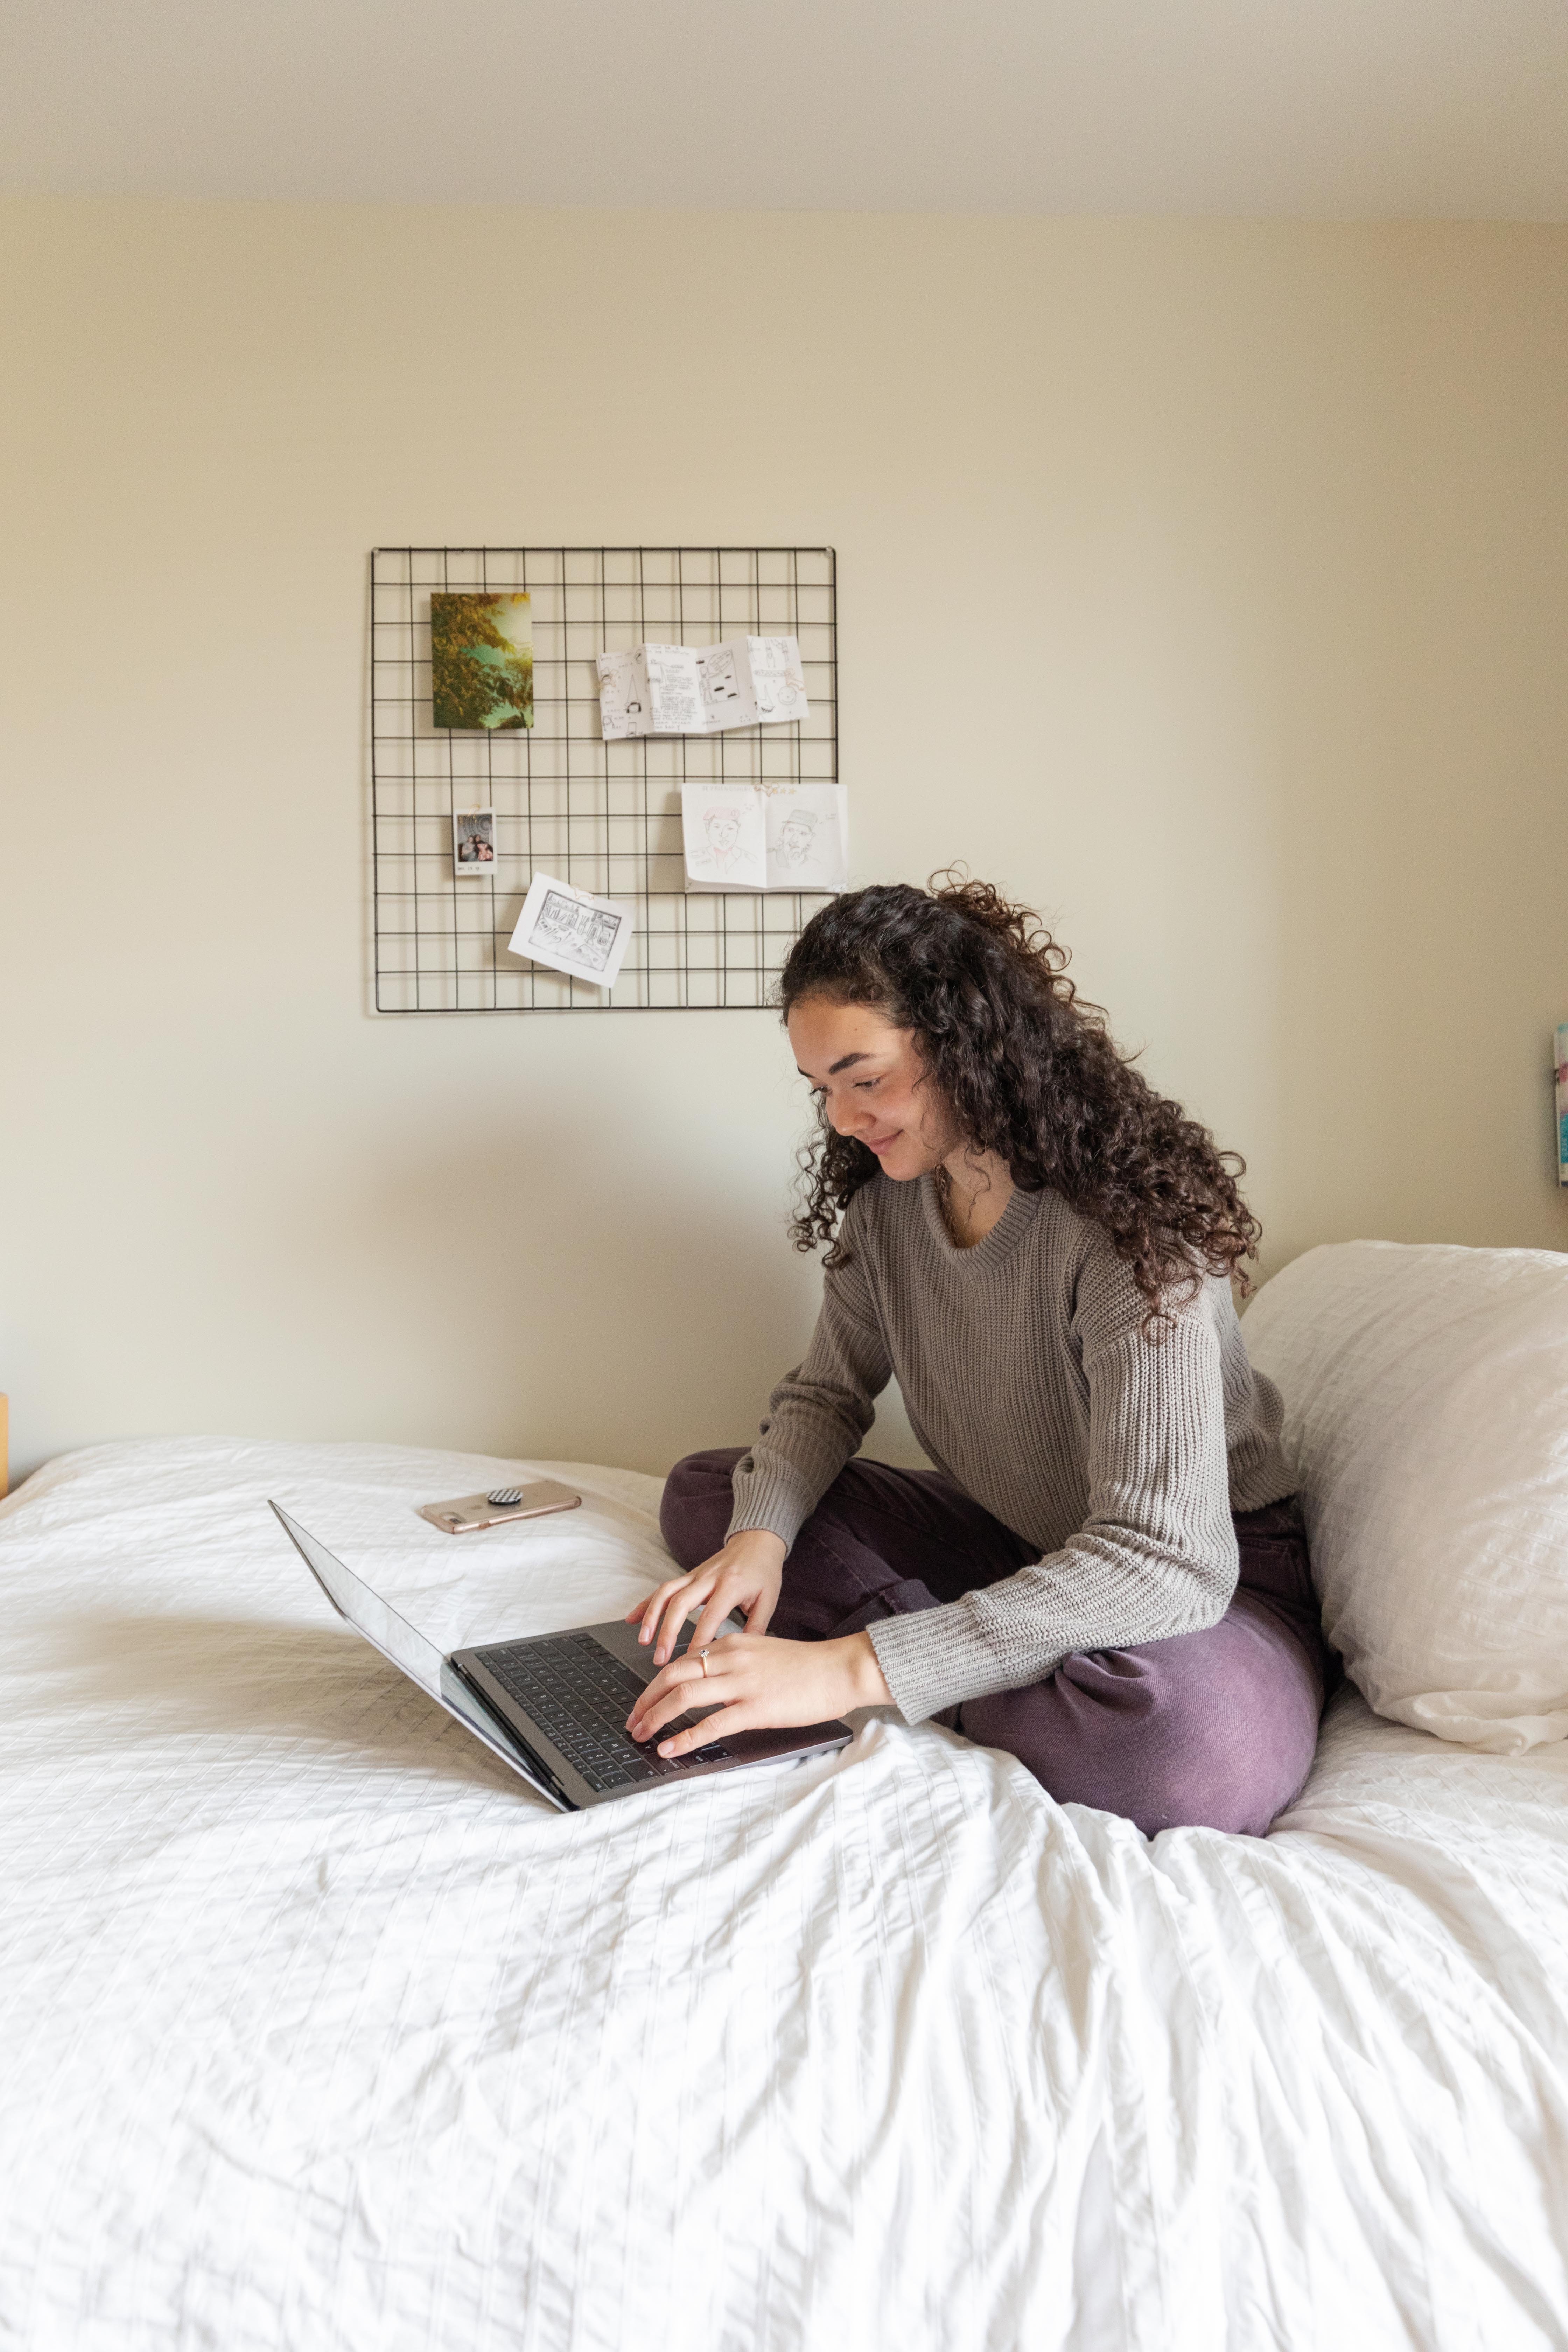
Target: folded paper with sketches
[[700, 689], [573, 931], [765, 836]]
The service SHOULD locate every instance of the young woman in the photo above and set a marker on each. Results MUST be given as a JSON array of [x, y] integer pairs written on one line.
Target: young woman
[[1105, 1576]]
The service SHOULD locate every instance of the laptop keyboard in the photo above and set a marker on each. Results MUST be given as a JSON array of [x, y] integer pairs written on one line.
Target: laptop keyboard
[[579, 1695]]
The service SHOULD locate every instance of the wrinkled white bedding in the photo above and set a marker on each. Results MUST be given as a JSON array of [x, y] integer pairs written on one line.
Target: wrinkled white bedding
[[321, 2032]]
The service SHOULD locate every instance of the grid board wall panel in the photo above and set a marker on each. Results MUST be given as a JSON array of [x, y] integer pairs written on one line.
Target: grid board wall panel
[[605, 817]]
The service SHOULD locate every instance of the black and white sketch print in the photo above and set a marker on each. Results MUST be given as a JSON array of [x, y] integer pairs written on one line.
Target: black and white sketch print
[[573, 931], [587, 934]]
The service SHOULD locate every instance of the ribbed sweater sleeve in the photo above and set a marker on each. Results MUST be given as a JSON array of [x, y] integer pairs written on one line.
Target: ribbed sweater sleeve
[[1156, 1554], [818, 1415]]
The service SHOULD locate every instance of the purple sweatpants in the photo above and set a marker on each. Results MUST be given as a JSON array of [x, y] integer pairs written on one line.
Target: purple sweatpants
[[1215, 1729]]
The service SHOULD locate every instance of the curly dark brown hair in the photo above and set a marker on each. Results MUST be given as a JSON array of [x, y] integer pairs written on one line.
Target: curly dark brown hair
[[1030, 1073]]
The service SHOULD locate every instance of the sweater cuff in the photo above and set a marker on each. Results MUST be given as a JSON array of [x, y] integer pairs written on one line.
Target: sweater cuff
[[772, 1496], [936, 1658]]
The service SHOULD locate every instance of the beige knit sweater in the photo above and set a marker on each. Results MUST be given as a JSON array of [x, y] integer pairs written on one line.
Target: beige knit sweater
[[1031, 1385]]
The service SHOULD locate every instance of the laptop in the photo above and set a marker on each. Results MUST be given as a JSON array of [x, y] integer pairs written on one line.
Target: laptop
[[553, 1705]]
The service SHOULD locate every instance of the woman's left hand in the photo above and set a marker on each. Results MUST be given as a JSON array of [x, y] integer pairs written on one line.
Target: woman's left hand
[[759, 1684]]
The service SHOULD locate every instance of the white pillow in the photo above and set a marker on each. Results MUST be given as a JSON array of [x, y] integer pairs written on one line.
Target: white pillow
[[1426, 1415]]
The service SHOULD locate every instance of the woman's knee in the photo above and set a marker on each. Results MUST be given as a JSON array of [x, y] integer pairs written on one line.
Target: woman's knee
[[694, 1510], [1217, 1735], [1213, 1782], [1204, 1781]]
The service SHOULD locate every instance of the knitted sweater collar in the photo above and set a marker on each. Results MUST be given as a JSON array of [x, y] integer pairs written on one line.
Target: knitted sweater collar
[[982, 1256]]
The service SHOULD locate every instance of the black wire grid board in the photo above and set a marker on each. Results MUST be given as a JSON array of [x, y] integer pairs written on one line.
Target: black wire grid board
[[605, 817]]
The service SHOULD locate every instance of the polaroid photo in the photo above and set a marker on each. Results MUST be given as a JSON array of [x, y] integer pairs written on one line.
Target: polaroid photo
[[573, 931], [726, 848], [473, 844]]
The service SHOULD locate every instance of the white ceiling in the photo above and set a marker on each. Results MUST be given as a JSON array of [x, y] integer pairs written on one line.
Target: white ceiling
[[1328, 108]]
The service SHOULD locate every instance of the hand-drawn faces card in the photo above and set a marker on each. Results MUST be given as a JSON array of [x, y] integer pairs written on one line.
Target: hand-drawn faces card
[[808, 837], [481, 661], [473, 844], [573, 931], [725, 845]]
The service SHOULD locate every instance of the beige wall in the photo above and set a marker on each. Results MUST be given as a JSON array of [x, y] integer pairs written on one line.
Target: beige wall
[[1240, 557]]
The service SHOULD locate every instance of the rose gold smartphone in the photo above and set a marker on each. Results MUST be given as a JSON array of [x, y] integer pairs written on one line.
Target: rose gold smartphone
[[470, 1511]]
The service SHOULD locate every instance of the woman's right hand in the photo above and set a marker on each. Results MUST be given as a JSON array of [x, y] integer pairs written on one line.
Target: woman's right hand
[[745, 1575]]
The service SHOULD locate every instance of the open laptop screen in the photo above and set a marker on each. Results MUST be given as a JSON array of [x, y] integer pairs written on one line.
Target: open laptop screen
[[410, 1651], [369, 1615]]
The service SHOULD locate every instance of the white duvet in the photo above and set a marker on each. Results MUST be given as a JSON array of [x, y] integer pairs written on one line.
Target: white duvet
[[321, 2030]]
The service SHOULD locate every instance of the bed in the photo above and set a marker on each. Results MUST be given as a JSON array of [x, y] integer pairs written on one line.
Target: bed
[[322, 2032]]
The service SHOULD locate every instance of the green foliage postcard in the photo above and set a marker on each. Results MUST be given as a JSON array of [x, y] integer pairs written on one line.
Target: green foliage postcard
[[481, 661]]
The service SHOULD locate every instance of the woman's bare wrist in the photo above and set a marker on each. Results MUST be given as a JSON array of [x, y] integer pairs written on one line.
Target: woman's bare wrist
[[759, 1538], [868, 1681]]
